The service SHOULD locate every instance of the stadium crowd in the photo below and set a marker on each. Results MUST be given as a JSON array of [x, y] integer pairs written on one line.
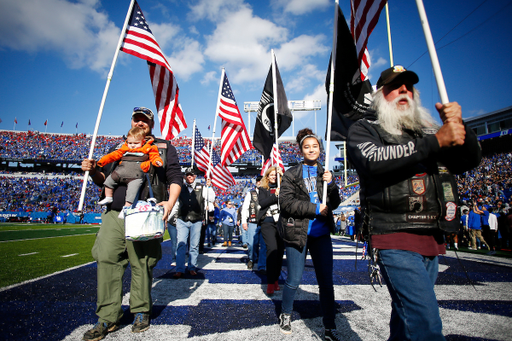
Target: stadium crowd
[[489, 184]]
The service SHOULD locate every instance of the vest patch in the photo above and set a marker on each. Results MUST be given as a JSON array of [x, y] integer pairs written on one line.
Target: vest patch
[[418, 186], [422, 218], [451, 211]]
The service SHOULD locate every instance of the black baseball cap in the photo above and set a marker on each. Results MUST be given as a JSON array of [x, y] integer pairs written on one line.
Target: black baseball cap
[[190, 170], [389, 75]]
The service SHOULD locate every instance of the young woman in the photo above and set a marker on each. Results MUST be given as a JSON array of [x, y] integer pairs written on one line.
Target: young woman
[[267, 217], [306, 224]]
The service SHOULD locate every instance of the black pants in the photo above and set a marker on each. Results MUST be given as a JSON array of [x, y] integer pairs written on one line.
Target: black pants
[[275, 249]]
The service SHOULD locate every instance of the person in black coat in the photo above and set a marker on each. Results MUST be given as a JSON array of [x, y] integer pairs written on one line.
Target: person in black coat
[[306, 224], [267, 217]]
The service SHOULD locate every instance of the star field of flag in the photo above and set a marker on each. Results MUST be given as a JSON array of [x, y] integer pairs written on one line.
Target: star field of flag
[[138, 19], [199, 142], [226, 90]]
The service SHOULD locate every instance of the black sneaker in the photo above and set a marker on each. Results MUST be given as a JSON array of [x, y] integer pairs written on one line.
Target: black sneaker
[[285, 323], [99, 331], [249, 265], [332, 335], [141, 323]]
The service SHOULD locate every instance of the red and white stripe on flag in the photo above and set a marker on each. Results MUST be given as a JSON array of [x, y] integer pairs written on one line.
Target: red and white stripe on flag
[[220, 175], [234, 136], [140, 42], [363, 19], [275, 160]]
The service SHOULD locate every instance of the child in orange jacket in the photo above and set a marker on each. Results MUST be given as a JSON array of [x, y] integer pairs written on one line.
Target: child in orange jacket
[[132, 154]]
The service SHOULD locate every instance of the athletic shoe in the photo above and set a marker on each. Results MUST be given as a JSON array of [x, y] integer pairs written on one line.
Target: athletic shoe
[[99, 331], [106, 201], [225, 244], [285, 323], [276, 286], [141, 323], [332, 335], [229, 243], [250, 265], [270, 289]]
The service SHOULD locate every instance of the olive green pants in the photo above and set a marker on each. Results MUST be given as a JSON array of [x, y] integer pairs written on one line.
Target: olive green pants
[[112, 254]]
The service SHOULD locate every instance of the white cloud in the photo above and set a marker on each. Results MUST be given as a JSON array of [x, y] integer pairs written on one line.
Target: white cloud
[[214, 10], [81, 33], [187, 56], [299, 50], [299, 7], [243, 44], [304, 78]]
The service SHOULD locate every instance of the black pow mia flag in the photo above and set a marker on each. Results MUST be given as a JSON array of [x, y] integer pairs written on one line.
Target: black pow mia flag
[[264, 129], [351, 97]]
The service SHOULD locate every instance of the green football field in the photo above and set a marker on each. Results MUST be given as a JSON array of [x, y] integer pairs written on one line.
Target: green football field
[[34, 250]]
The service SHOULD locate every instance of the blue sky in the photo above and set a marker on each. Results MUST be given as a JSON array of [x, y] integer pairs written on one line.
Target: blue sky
[[55, 56]]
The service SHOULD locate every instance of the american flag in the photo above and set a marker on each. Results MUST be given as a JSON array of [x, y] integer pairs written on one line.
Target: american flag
[[140, 42], [15, 121], [234, 136], [363, 19], [221, 176], [201, 153], [46, 122], [274, 160]]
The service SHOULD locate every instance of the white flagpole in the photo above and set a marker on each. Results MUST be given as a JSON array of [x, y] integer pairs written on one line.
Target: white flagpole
[[274, 90], [14, 126], [433, 54], [215, 123], [193, 144], [102, 104], [389, 36], [331, 93]]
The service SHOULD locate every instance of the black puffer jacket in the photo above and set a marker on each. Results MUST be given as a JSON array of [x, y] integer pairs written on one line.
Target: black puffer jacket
[[407, 181], [297, 208]]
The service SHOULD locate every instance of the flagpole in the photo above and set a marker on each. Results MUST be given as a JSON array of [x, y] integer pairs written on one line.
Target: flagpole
[[276, 106], [389, 36], [329, 106], [193, 144], [433, 54], [14, 126], [215, 123], [102, 104], [45, 126]]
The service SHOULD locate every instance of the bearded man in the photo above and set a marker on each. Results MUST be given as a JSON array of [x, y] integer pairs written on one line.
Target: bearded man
[[409, 198]]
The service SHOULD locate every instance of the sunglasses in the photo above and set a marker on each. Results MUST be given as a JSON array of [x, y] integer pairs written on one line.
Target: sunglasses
[[143, 110]]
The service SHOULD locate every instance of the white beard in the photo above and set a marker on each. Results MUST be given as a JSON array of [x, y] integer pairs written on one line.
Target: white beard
[[394, 118]]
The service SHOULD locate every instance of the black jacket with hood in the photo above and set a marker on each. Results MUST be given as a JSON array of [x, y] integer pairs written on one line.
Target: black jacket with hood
[[297, 208]]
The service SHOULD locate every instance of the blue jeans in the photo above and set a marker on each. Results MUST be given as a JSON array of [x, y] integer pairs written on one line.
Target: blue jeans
[[228, 232], [249, 240], [410, 279], [320, 249], [184, 229], [243, 235], [259, 249], [174, 241], [211, 233]]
